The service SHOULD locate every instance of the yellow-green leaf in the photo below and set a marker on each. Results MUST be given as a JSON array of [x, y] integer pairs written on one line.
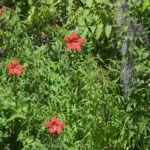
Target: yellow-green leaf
[[30, 2], [89, 3], [16, 116], [108, 29], [99, 31], [145, 5]]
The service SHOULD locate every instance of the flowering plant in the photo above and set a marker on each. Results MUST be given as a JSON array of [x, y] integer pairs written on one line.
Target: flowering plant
[[55, 126], [14, 69], [74, 43]]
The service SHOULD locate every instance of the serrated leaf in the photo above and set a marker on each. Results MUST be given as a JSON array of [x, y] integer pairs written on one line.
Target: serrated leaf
[[99, 31], [108, 29]]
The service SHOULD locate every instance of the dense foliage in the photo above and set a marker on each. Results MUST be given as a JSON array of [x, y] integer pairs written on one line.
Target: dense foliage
[[83, 88]]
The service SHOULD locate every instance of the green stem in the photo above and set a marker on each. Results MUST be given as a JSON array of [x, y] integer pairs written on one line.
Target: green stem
[[15, 89]]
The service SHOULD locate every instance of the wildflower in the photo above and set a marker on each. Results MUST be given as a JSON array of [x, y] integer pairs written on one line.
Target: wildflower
[[1, 10], [14, 69], [55, 126], [74, 43]]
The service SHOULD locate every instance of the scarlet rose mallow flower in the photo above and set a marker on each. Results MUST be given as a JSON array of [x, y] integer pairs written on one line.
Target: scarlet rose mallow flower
[[14, 69], [73, 42], [1, 10], [55, 126]]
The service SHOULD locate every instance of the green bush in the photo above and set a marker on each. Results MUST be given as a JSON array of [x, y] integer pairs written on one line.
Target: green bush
[[82, 88]]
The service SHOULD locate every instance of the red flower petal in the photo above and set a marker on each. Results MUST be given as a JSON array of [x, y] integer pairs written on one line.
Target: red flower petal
[[11, 71], [59, 130], [74, 36], [9, 66], [70, 46], [77, 47], [52, 130], [15, 62], [48, 124], [80, 41], [0, 12], [20, 67], [54, 119], [60, 124], [67, 39], [17, 72]]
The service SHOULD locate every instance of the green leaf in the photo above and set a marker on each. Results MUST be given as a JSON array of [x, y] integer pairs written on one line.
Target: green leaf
[[107, 2], [30, 2], [89, 3], [92, 28], [149, 63], [70, 148], [52, 65], [31, 12], [85, 33], [108, 29], [16, 116], [145, 5], [41, 49], [99, 31]]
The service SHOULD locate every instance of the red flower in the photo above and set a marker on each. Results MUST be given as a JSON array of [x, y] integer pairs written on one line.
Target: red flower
[[15, 69], [73, 42], [1, 10], [55, 126]]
